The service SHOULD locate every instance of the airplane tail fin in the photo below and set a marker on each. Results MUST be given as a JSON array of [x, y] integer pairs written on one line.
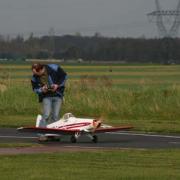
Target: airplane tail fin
[[39, 121]]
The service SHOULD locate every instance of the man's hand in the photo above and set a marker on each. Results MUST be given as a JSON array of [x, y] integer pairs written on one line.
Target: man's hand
[[54, 87], [45, 89]]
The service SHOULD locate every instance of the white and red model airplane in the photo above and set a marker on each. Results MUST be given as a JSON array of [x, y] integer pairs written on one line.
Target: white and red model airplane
[[70, 125]]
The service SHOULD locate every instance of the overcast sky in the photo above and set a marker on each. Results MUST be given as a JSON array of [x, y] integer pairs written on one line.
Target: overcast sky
[[109, 17]]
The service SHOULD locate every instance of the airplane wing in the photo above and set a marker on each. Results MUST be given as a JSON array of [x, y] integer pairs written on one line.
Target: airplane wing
[[70, 132], [112, 129], [47, 130]]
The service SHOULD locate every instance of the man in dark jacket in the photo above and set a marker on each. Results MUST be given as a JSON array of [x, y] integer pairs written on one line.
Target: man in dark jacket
[[48, 81]]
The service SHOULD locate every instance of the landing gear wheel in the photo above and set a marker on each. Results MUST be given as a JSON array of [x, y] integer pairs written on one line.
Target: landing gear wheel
[[95, 139], [73, 139]]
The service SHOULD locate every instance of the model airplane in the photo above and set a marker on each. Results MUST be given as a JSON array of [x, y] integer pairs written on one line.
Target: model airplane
[[70, 125]]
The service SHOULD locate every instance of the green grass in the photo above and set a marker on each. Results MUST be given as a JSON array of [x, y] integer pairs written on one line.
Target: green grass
[[149, 102], [148, 109], [122, 75], [14, 120], [123, 164]]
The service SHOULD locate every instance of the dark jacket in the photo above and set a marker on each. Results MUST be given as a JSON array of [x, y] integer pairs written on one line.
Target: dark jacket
[[56, 75]]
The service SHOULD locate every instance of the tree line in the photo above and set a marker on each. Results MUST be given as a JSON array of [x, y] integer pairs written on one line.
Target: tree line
[[129, 50]]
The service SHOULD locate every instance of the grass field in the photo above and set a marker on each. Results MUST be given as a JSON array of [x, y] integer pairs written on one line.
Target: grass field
[[146, 96], [101, 165]]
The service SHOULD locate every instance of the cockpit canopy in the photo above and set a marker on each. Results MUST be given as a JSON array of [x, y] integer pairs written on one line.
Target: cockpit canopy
[[67, 116]]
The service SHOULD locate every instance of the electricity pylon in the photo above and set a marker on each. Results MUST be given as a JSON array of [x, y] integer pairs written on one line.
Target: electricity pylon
[[159, 17]]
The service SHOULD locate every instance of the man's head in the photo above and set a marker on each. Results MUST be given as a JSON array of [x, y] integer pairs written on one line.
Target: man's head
[[38, 69]]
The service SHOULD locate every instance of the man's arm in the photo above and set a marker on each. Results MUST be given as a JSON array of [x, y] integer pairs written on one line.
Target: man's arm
[[35, 86], [62, 77]]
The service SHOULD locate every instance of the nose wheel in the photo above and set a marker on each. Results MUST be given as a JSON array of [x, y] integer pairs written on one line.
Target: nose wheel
[[93, 138], [75, 137]]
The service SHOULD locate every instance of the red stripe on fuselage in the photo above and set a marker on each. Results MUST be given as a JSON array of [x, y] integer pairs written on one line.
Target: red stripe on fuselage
[[75, 125]]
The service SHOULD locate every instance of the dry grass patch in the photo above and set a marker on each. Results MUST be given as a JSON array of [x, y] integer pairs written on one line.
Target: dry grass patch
[[3, 88]]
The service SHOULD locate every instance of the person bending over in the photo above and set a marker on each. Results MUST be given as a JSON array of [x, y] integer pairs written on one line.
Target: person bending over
[[48, 81]]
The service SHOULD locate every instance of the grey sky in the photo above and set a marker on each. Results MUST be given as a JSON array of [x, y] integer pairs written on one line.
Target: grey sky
[[109, 17]]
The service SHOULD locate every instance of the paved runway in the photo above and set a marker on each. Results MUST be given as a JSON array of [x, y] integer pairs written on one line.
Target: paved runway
[[106, 141]]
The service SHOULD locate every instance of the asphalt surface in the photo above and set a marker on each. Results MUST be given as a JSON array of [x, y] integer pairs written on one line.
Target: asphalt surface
[[122, 139]]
